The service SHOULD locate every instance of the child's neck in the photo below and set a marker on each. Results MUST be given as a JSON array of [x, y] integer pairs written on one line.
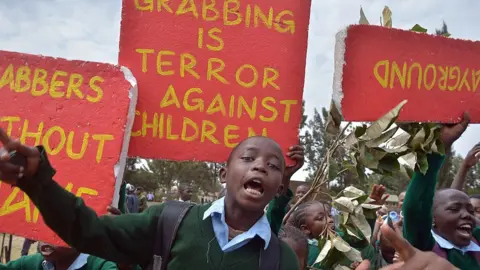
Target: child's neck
[[65, 263], [240, 219]]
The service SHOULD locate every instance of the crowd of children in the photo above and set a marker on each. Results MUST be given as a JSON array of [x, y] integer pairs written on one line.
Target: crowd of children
[[432, 230]]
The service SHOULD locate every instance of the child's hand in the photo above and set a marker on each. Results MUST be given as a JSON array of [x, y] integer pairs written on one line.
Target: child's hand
[[412, 258], [295, 153], [472, 157], [114, 211], [377, 195], [10, 173], [450, 133]]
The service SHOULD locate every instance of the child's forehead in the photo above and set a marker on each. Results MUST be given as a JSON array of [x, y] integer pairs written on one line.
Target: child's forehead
[[260, 143]]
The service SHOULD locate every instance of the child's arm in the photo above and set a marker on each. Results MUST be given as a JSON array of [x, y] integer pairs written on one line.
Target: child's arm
[[122, 197], [23, 263], [277, 209], [417, 206], [125, 239], [470, 160]]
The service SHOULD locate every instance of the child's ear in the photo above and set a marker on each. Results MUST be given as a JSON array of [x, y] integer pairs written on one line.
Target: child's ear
[[223, 175], [281, 190], [305, 229]]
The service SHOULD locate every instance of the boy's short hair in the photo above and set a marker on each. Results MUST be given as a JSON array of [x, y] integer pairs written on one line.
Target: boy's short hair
[[240, 143], [475, 196], [296, 235]]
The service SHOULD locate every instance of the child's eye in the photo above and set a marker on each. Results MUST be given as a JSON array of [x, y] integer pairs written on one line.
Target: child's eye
[[247, 158], [273, 166]]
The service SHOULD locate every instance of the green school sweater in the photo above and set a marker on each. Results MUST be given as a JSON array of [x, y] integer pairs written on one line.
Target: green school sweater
[[417, 215], [34, 262], [129, 239], [276, 211], [122, 198]]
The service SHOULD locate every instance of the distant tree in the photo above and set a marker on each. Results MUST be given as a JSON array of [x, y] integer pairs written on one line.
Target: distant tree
[[443, 31]]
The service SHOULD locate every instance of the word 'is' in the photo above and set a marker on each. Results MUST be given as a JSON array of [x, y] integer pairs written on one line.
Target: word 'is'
[[231, 12]]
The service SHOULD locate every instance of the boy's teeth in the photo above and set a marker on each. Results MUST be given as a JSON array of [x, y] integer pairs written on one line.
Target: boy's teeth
[[253, 191]]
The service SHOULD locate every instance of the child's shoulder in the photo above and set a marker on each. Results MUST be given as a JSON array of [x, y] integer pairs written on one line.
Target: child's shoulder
[[288, 259], [30, 262], [96, 263]]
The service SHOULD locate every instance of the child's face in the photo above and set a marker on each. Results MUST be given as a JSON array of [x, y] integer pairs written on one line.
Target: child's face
[[254, 173], [454, 216], [318, 217], [53, 253], [300, 250], [300, 192], [476, 206]]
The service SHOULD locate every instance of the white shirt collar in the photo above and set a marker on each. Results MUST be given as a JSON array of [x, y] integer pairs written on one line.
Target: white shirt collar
[[444, 243], [79, 262], [261, 228]]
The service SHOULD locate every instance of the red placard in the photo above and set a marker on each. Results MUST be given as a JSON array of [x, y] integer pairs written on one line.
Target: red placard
[[78, 111], [211, 73], [439, 76]]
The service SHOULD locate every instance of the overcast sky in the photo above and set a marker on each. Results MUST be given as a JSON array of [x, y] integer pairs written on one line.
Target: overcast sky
[[89, 30]]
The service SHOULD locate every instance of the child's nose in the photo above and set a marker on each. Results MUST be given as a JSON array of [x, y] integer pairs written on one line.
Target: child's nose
[[259, 166]]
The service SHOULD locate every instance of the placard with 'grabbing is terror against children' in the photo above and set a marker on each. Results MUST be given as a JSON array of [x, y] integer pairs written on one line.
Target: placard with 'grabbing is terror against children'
[[211, 73]]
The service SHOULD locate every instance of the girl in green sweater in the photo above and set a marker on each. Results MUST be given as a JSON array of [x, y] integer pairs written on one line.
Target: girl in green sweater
[[58, 258], [227, 234], [443, 222]]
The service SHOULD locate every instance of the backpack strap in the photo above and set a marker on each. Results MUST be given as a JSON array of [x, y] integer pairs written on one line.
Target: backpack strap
[[440, 251], [270, 257], [167, 227]]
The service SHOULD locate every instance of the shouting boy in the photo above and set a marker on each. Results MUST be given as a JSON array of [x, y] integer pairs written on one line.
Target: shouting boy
[[230, 233]]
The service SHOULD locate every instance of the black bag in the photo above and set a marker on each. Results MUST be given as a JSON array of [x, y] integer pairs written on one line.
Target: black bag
[[167, 227]]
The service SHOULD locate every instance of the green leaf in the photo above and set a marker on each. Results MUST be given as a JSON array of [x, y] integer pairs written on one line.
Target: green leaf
[[370, 213], [370, 157], [362, 199], [378, 127], [399, 140], [387, 135], [344, 204], [410, 159], [387, 17], [353, 192], [389, 163], [371, 206], [418, 139], [341, 245], [324, 251], [351, 231], [422, 163], [354, 255], [406, 171], [363, 18], [360, 130], [334, 120], [361, 223], [440, 146], [418, 28]]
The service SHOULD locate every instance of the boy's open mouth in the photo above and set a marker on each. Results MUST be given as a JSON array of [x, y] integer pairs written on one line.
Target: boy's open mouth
[[465, 230], [46, 250], [254, 187]]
